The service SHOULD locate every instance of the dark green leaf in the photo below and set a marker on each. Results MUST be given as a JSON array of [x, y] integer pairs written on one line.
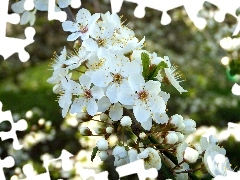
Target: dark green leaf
[[145, 62], [94, 152], [155, 70]]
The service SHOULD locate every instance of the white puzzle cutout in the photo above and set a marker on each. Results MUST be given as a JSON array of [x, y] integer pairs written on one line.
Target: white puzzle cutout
[[7, 162], [192, 8], [9, 45], [66, 166], [20, 125]]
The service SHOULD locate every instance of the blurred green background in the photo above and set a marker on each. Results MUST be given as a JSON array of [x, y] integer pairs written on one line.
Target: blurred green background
[[209, 101]]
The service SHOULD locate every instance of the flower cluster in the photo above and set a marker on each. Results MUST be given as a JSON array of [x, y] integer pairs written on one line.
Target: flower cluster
[[110, 75], [40, 5]]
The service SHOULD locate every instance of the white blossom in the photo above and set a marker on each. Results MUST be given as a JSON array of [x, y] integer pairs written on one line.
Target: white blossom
[[151, 158], [82, 26], [173, 76]]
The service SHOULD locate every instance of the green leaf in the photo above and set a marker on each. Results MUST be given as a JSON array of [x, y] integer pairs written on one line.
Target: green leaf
[[145, 62], [94, 152], [155, 70], [165, 171]]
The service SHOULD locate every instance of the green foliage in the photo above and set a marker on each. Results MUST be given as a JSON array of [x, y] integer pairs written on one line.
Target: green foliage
[[150, 71], [94, 153], [234, 67]]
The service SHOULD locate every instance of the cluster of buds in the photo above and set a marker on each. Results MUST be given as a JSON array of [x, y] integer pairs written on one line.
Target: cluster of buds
[[110, 76]]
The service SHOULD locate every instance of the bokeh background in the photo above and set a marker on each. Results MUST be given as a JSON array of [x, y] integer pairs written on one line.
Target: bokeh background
[[209, 101]]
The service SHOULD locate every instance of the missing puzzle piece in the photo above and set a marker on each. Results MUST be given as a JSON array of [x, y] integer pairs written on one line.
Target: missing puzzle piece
[[20, 125], [66, 166], [13, 45], [7, 162]]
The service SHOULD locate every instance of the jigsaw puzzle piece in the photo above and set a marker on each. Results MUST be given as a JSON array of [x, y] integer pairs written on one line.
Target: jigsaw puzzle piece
[[7, 162], [12, 45], [21, 125], [31, 175], [137, 167]]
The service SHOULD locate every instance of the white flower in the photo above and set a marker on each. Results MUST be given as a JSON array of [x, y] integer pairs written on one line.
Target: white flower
[[120, 155], [173, 76], [180, 151], [102, 144], [182, 176], [230, 175], [205, 143], [132, 154], [215, 161], [82, 26], [42, 5], [116, 111], [87, 97], [143, 96], [126, 121], [151, 158], [27, 16], [69, 87], [160, 118], [59, 67], [100, 37], [77, 59]]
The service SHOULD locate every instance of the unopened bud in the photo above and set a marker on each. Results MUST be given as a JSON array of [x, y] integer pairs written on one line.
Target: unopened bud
[[180, 137], [171, 138], [190, 126], [85, 131], [103, 155], [99, 130], [104, 117], [102, 144], [142, 135], [126, 121], [83, 117], [190, 155], [176, 120], [109, 130]]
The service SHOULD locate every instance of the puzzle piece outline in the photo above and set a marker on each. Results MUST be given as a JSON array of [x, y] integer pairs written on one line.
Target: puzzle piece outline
[[64, 157], [13, 45], [20, 125], [192, 8]]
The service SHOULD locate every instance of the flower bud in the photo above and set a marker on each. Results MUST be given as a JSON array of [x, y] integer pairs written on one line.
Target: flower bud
[[171, 138], [83, 117], [180, 137], [180, 127], [103, 155], [176, 120], [190, 126], [102, 144], [142, 135], [104, 117], [85, 131], [190, 155], [126, 121], [109, 130], [99, 130]]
